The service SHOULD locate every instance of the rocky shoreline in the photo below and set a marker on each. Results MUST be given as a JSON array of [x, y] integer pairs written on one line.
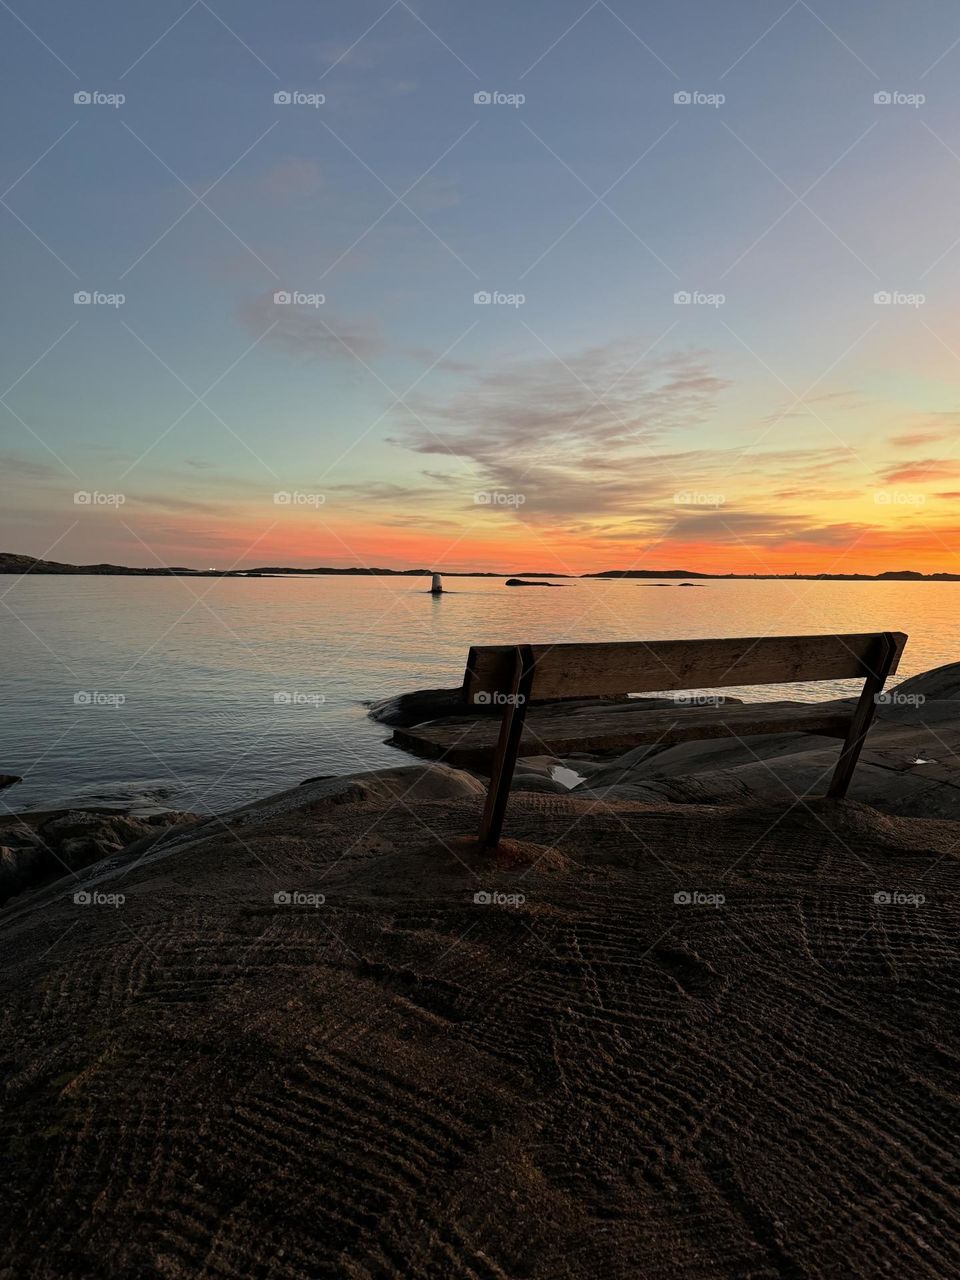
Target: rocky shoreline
[[41, 847], [323, 1032], [910, 767]]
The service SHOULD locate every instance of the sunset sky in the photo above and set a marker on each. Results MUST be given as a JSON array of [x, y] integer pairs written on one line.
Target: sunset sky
[[781, 420]]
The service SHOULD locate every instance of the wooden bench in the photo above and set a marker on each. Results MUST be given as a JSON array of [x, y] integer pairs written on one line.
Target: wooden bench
[[520, 676]]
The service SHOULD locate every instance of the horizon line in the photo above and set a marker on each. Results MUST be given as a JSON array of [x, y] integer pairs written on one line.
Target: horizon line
[[102, 568]]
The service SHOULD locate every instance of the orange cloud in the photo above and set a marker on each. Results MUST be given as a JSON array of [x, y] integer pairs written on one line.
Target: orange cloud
[[919, 472]]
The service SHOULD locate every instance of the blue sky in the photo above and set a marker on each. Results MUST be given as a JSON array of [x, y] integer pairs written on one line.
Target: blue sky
[[598, 199]]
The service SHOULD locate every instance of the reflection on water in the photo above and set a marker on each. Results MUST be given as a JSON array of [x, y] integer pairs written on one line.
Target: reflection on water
[[201, 694]]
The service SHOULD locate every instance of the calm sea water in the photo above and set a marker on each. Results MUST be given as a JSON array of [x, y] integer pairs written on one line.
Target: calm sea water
[[198, 665]]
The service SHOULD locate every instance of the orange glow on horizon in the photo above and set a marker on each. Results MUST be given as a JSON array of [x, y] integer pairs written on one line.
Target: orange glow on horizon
[[525, 548]]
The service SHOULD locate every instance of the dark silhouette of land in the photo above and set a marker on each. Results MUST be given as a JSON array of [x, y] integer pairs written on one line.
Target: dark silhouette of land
[[890, 575], [11, 562]]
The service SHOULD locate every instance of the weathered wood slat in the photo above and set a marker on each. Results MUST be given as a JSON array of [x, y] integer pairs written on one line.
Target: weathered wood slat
[[469, 744], [595, 670]]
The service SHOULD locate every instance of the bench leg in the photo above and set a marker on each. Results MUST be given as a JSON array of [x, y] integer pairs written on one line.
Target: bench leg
[[506, 753], [862, 719]]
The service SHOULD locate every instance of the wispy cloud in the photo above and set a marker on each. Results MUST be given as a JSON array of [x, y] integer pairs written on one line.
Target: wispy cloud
[[310, 333], [921, 471], [763, 528], [578, 437]]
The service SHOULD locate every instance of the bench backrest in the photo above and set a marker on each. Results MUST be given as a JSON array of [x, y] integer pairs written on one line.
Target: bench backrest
[[597, 670]]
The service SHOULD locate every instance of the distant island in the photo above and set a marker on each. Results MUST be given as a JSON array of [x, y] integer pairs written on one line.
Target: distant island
[[11, 562], [891, 575]]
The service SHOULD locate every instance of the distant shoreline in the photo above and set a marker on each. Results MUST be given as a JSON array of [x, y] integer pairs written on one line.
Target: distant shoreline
[[21, 565]]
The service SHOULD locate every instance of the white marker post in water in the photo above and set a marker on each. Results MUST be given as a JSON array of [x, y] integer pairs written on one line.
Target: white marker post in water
[[436, 587]]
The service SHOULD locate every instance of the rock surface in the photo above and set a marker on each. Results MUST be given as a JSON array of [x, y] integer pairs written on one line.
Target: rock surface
[[407, 709], [535, 773], [300, 1046], [36, 848], [419, 706], [937, 685], [910, 764]]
